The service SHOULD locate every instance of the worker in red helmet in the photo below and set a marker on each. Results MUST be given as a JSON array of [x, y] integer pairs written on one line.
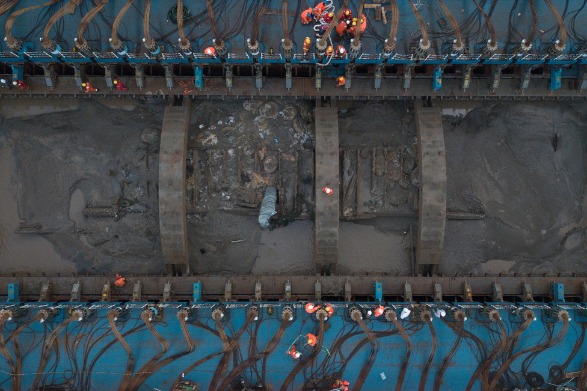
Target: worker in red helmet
[[328, 17], [210, 51], [340, 81], [307, 16], [347, 14], [329, 309], [341, 385], [328, 190], [119, 281], [340, 51], [319, 9], [87, 87], [120, 85], [311, 308], [21, 85]]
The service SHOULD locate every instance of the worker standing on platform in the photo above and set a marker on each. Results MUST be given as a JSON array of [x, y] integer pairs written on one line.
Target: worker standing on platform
[[88, 87], [340, 81], [307, 45], [340, 51], [120, 85], [210, 51], [4, 83]]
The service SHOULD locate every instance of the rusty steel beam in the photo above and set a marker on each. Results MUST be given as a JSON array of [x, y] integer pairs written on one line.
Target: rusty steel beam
[[301, 287], [172, 177]]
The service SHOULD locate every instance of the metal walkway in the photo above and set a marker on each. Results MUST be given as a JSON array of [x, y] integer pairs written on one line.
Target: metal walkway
[[327, 175]]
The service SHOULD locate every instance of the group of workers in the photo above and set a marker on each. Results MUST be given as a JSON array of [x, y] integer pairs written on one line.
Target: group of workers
[[323, 15], [20, 84]]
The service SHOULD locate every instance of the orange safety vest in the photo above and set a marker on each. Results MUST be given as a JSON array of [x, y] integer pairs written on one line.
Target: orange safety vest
[[340, 50], [341, 28], [210, 51], [120, 281], [319, 9], [311, 308], [307, 44], [306, 16], [340, 81], [379, 311], [311, 339]]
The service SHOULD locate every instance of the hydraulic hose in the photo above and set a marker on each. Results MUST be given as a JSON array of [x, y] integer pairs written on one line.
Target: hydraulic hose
[[47, 42], [428, 319], [424, 42], [458, 45], [356, 316], [80, 42], [390, 43], [392, 316], [115, 42], [12, 42], [492, 44]]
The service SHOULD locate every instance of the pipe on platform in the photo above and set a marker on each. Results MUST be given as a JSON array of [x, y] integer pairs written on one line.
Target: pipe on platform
[[459, 329], [492, 41], [526, 44], [115, 42], [358, 317], [322, 42], [458, 43], [218, 42], [424, 43], [355, 46], [112, 315], [184, 43], [426, 317], [390, 42], [13, 43], [149, 42], [561, 43], [80, 42], [7, 6], [391, 316], [48, 43]]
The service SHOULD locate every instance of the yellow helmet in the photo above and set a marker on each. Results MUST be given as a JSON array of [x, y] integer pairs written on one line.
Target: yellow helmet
[[115, 81], [84, 84], [307, 40]]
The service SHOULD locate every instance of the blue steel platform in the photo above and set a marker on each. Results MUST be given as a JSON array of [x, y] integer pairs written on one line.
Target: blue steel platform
[[543, 38], [234, 345]]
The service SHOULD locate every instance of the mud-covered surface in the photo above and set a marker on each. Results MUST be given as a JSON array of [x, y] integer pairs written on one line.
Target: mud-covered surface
[[522, 165]]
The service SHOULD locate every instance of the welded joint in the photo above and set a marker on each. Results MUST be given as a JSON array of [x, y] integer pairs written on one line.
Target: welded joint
[[318, 291], [45, 294], [527, 293], [76, 292], [497, 292], [78, 74], [408, 292], [467, 292], [347, 291], [287, 291], [106, 292], [258, 291], [437, 292], [137, 291], [228, 291], [167, 292]]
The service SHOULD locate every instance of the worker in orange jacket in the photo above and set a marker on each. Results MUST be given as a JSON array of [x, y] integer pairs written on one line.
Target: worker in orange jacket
[[307, 16], [341, 385], [329, 50], [340, 81], [312, 339], [329, 309], [379, 311], [210, 51], [119, 281], [319, 9], [88, 87], [340, 51], [293, 353], [311, 308]]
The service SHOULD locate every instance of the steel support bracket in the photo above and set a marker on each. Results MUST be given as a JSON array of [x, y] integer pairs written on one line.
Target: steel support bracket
[[139, 76], [497, 292], [197, 292], [318, 79], [495, 78], [526, 71], [108, 75], [527, 294], [408, 292], [287, 291], [348, 74], [258, 291], [318, 291], [407, 77], [137, 291], [50, 76], [228, 76], [167, 292], [13, 293], [45, 295], [76, 292], [347, 291], [168, 76], [467, 70], [437, 292], [78, 74], [258, 76], [228, 291], [106, 292], [288, 77], [467, 292], [378, 77]]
